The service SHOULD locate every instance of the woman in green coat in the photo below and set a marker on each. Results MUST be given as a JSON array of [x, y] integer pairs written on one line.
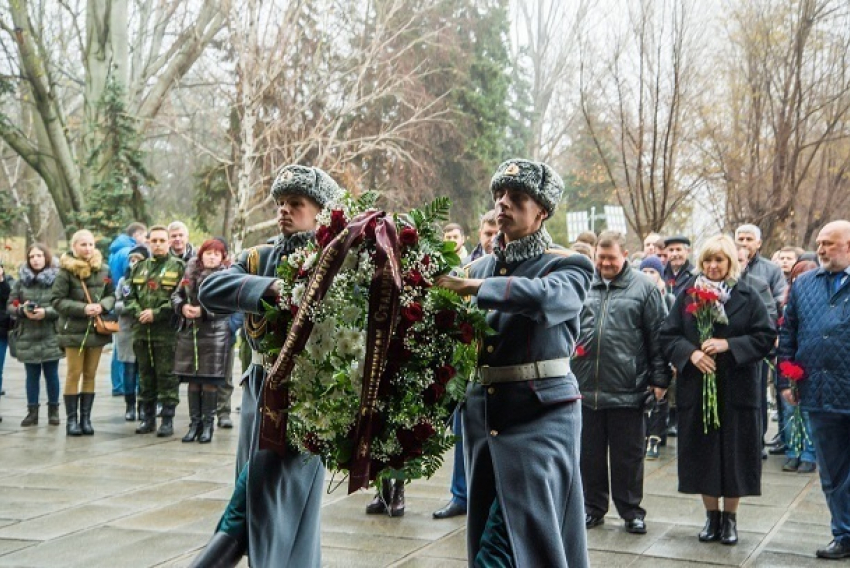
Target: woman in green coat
[[77, 334], [36, 345]]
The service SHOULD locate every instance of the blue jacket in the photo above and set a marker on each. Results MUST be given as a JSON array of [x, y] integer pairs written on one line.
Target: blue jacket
[[816, 335], [119, 252]]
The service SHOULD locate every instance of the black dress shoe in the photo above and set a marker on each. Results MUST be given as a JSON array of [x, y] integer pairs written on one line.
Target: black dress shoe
[[835, 550], [590, 521], [453, 509], [636, 526]]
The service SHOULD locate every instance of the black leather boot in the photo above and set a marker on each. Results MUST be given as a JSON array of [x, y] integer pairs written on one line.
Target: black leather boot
[[86, 402], [148, 423], [194, 399], [72, 427], [382, 500], [166, 427], [729, 530], [711, 530], [130, 407], [209, 401], [53, 414], [222, 551], [397, 505], [31, 419]]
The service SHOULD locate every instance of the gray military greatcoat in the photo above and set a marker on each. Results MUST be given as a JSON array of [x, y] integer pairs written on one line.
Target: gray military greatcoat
[[284, 495], [522, 438]]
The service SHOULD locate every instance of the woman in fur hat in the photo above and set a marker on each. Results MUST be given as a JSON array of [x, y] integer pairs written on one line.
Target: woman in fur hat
[[37, 347], [522, 419], [79, 269], [204, 347]]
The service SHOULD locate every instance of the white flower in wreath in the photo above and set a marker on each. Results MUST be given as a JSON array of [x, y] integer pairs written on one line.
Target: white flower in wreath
[[309, 261], [348, 342], [298, 293]]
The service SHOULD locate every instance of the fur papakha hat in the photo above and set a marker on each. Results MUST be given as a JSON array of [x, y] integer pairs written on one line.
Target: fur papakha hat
[[308, 181], [534, 178]]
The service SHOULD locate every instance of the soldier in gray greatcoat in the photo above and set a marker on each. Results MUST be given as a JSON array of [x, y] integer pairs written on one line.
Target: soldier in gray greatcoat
[[522, 418], [274, 510]]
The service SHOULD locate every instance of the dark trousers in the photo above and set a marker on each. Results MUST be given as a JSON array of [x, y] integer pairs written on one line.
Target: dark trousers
[[831, 433], [656, 419], [618, 434], [157, 381], [459, 470]]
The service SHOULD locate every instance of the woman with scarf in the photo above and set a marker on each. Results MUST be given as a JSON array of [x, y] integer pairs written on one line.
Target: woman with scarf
[[725, 461], [204, 348], [81, 292], [274, 512], [522, 418], [37, 347]]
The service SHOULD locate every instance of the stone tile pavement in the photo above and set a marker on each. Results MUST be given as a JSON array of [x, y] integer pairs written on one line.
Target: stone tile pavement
[[121, 500]]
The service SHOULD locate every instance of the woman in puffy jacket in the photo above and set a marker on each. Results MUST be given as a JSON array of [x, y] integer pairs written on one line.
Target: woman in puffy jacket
[[203, 357], [76, 330], [37, 347]]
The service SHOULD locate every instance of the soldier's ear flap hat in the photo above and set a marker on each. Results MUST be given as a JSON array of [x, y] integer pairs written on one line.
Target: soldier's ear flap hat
[[536, 179], [307, 181]]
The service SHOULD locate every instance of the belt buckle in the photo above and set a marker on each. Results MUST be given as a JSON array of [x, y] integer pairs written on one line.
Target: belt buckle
[[538, 372]]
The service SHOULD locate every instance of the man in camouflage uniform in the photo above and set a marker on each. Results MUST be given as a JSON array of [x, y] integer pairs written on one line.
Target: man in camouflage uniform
[[152, 281]]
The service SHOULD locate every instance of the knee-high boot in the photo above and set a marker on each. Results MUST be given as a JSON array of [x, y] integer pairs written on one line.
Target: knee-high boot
[[195, 405], [209, 401], [86, 402], [72, 427]]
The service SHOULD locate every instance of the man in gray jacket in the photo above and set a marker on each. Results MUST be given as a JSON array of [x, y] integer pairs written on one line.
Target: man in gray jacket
[[619, 366]]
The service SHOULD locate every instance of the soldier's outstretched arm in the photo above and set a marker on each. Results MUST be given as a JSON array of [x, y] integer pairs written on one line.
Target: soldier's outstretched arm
[[236, 289]]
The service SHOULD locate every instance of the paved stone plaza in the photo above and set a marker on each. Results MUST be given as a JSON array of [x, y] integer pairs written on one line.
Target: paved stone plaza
[[121, 500]]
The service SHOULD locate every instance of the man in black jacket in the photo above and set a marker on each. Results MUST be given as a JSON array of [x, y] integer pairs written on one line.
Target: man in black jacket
[[619, 364]]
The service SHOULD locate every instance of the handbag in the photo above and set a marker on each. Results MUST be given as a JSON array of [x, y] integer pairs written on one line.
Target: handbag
[[101, 326]]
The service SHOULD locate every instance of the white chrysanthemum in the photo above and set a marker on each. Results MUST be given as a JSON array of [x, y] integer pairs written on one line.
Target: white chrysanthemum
[[309, 261], [298, 293]]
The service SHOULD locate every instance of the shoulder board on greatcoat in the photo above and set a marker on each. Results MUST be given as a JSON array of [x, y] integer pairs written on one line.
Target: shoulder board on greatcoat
[[252, 263], [560, 252], [467, 267]]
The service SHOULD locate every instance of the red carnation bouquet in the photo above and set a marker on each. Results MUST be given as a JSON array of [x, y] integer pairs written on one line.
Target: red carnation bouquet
[[706, 309], [794, 424]]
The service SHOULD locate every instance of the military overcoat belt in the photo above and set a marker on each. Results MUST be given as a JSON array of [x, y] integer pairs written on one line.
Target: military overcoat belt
[[525, 372]]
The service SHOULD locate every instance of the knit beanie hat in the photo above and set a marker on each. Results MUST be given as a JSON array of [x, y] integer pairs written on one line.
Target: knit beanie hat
[[652, 262], [534, 178], [307, 181], [140, 250]]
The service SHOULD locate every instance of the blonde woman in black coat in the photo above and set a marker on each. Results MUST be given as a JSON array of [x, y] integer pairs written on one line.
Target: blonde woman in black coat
[[725, 461]]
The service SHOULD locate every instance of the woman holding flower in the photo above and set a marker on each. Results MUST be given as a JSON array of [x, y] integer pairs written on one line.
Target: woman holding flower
[[81, 268], [716, 335], [204, 348], [522, 419]]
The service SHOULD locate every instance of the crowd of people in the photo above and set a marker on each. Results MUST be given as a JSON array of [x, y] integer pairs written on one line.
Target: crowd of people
[[639, 360], [145, 299], [598, 357]]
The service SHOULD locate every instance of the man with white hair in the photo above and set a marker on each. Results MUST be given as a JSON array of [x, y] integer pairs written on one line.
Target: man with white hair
[[749, 236], [178, 239]]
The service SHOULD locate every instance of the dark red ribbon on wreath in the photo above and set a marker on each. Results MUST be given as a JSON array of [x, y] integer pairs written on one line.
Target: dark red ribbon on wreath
[[384, 299]]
